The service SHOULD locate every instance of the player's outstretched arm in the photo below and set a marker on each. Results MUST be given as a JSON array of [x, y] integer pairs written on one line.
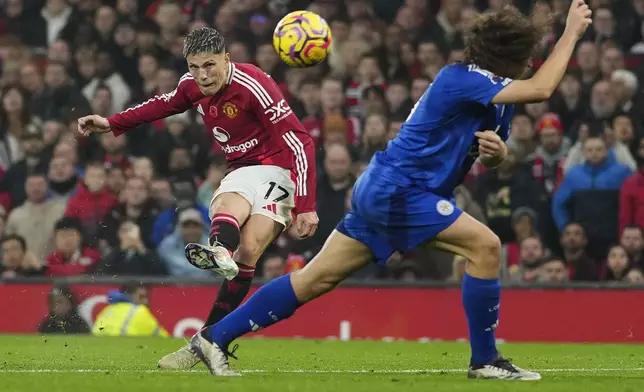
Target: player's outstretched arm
[[156, 108], [544, 82]]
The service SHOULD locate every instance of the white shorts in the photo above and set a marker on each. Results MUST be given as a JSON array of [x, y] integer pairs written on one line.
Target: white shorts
[[269, 190]]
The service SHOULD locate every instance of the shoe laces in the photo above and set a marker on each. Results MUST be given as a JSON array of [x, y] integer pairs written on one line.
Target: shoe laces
[[231, 353], [505, 364]]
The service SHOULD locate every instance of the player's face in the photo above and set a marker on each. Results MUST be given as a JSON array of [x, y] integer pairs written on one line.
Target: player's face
[[209, 70]]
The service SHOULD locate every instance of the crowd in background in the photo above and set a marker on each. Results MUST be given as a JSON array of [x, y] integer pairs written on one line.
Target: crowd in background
[[568, 203]]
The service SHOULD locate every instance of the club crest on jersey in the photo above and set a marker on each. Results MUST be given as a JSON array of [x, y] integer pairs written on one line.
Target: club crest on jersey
[[444, 207], [213, 111], [230, 109], [221, 134]]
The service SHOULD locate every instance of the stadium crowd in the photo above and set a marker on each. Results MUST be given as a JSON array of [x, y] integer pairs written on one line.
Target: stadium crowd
[[568, 203]]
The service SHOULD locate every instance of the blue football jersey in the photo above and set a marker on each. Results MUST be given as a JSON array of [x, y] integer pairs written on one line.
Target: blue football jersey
[[436, 146]]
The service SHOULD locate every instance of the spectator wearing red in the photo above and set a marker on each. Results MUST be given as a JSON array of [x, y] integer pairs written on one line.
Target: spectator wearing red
[[331, 104], [631, 203], [92, 201], [369, 74], [70, 258], [549, 158]]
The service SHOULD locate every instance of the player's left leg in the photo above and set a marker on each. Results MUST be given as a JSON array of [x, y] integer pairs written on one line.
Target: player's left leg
[[278, 299], [481, 292]]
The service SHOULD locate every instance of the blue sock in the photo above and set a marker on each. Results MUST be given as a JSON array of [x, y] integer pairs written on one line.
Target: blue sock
[[273, 302], [481, 302]]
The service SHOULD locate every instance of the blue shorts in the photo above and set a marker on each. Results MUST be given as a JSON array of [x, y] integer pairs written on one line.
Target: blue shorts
[[388, 215]]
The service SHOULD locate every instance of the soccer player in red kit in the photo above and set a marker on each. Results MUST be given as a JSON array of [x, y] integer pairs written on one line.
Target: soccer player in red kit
[[270, 156]]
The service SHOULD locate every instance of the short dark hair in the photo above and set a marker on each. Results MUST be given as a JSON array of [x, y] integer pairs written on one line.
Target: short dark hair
[[95, 164], [503, 41], [15, 237], [203, 40]]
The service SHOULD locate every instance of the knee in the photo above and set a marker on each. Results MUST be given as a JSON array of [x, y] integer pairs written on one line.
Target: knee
[[249, 251], [313, 285], [489, 252]]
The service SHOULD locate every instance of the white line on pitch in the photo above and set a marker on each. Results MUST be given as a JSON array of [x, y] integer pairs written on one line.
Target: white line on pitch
[[314, 371]]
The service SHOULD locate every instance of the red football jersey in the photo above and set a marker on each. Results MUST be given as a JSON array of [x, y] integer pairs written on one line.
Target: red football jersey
[[250, 120]]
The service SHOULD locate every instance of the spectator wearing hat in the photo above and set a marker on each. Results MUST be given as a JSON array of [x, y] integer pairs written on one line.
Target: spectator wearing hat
[[549, 158], [70, 257], [16, 260], [35, 159], [631, 202], [36, 217], [63, 317], [190, 228], [589, 194], [92, 200]]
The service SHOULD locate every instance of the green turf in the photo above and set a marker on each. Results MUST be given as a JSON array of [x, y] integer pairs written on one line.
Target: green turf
[[35, 363]]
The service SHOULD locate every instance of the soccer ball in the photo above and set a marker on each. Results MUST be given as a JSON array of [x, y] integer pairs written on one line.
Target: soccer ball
[[302, 39]]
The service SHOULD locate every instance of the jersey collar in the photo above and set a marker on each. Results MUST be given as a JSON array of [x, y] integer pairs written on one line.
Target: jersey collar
[[231, 72]]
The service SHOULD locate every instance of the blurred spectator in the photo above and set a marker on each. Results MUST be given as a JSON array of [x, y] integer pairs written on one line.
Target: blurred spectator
[[502, 191], [616, 265], [589, 195], [128, 314], [616, 149], [130, 257], [549, 157], [631, 204], [216, 173], [635, 275], [62, 179], [523, 140], [331, 192], [190, 228], [273, 267], [573, 243], [161, 193], [531, 253], [35, 219], [17, 261], [553, 270], [114, 151], [143, 168], [60, 98], [632, 240], [70, 257], [374, 137], [114, 179], [181, 135], [524, 224], [184, 197], [92, 200], [136, 207], [63, 315], [35, 160], [625, 85]]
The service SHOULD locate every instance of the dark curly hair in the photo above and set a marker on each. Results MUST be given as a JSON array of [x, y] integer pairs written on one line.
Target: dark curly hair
[[503, 41]]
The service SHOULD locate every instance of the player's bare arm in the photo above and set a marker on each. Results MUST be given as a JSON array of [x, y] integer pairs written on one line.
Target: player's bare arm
[[541, 86], [492, 149]]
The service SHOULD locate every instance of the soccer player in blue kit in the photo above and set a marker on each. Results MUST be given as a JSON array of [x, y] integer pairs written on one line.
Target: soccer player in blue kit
[[404, 198]]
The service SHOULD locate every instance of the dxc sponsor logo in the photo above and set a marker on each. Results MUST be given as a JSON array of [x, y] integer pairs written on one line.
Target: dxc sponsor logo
[[278, 112]]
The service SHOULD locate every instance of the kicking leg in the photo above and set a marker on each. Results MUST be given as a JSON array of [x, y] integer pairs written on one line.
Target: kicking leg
[[278, 299], [481, 292], [227, 211]]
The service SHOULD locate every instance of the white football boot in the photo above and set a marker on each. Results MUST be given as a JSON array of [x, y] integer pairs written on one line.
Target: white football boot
[[212, 258], [501, 369], [215, 358], [182, 359]]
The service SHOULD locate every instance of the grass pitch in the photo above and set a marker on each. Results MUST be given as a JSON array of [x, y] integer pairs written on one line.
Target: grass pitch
[[76, 364]]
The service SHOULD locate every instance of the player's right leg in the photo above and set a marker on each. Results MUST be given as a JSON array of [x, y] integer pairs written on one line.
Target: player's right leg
[[481, 293], [227, 210], [340, 257]]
